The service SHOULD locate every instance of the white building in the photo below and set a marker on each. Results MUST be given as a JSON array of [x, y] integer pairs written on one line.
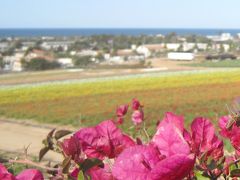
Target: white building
[[65, 62], [143, 50], [13, 63], [222, 37], [56, 44], [173, 46], [29, 43], [73, 53], [181, 56], [160, 35], [48, 38], [107, 56], [87, 52], [226, 37], [136, 58], [188, 46], [4, 46], [226, 47], [202, 46], [134, 47], [116, 60], [17, 66]]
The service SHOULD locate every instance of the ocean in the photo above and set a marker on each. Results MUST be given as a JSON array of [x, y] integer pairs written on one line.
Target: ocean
[[108, 31]]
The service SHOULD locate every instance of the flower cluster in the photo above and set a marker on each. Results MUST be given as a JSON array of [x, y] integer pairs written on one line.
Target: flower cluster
[[173, 152], [29, 174]]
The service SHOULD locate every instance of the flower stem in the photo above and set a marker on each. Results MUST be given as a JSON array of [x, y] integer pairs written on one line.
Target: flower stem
[[145, 132], [31, 163]]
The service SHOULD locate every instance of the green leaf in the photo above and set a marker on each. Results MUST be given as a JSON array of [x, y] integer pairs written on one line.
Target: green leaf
[[61, 133], [212, 165], [199, 176], [90, 163], [81, 176], [235, 173]]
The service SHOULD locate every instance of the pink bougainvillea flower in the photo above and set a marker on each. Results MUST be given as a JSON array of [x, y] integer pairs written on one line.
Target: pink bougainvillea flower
[[97, 173], [235, 139], [229, 160], [169, 136], [222, 123], [30, 174], [177, 121], [216, 150], [137, 117], [146, 163], [232, 134], [175, 167], [204, 139], [136, 163], [122, 110], [202, 134], [135, 104], [103, 140], [139, 141], [187, 137], [4, 174], [74, 173], [71, 147], [120, 120]]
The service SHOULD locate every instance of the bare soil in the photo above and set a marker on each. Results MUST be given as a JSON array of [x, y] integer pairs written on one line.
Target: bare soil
[[15, 136]]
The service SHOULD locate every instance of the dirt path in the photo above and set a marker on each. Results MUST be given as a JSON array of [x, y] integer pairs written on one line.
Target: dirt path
[[15, 136]]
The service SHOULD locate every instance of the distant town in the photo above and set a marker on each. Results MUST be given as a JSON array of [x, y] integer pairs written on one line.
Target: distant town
[[112, 51]]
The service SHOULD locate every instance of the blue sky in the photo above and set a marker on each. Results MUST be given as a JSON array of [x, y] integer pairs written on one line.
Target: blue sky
[[120, 13]]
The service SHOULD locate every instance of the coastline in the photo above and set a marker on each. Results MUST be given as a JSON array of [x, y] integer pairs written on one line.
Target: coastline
[[68, 32]]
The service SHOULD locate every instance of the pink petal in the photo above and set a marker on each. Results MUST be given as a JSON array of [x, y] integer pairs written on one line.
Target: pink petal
[[71, 147], [169, 137], [235, 140], [120, 120], [122, 110], [204, 138], [202, 134], [217, 148], [137, 117], [30, 174], [74, 173], [177, 121], [135, 104], [4, 174], [223, 121], [187, 136], [103, 140], [89, 141], [98, 173], [173, 168], [136, 163]]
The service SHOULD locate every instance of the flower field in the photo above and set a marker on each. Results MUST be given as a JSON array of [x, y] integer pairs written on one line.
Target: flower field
[[88, 103]]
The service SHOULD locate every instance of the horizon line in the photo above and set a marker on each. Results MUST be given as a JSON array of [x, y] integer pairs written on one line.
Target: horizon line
[[203, 28]]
